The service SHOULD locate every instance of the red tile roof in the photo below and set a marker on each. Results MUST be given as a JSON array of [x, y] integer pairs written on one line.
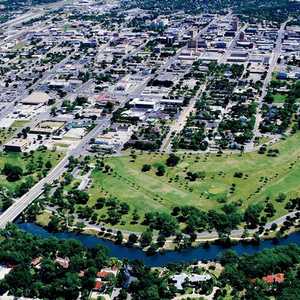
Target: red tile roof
[[98, 285], [103, 274], [276, 278]]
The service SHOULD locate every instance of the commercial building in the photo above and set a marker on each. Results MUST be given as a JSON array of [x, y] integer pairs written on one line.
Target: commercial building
[[16, 145], [36, 98]]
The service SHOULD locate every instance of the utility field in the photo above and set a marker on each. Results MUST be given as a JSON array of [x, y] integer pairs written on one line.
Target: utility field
[[243, 178]]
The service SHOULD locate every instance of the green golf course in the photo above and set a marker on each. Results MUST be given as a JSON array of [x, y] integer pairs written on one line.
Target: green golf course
[[243, 178]]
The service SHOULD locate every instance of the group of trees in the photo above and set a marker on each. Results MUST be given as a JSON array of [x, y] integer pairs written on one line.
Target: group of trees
[[171, 161], [148, 137], [12, 172], [163, 222], [197, 220], [278, 120], [169, 6], [149, 285], [23, 176], [244, 273], [50, 281]]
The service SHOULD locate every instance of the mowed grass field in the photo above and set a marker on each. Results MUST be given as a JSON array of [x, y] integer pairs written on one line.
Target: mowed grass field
[[37, 159], [263, 176]]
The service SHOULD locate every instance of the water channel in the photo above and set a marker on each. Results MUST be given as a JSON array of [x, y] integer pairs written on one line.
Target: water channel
[[187, 255]]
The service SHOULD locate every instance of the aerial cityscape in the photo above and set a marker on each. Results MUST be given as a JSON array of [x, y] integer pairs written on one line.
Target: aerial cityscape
[[150, 149]]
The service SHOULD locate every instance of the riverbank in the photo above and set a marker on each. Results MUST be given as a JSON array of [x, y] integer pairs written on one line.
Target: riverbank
[[212, 252], [202, 239]]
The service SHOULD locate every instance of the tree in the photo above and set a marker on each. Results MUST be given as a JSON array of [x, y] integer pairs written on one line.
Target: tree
[[270, 209], [79, 226], [124, 208], [146, 168], [161, 240], [135, 216], [172, 160], [19, 279], [229, 257], [54, 223], [146, 238], [165, 223], [113, 216], [80, 197], [12, 172], [48, 165], [252, 214], [132, 239], [161, 170], [53, 111], [119, 238]]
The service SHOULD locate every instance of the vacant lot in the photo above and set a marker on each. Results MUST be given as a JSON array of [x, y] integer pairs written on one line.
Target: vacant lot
[[260, 176]]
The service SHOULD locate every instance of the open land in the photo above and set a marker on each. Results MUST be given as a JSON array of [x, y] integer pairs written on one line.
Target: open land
[[263, 176]]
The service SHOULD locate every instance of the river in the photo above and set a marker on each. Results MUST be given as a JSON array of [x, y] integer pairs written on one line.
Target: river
[[159, 260]]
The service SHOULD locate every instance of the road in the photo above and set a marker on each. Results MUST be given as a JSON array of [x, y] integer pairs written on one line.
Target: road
[[201, 237], [180, 123], [273, 62], [23, 202], [237, 233]]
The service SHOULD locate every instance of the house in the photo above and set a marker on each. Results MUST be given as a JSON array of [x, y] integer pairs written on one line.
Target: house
[[99, 285], [276, 278], [103, 274], [106, 272], [182, 278], [36, 262], [63, 262]]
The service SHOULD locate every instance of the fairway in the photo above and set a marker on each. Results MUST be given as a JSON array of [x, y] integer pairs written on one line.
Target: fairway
[[262, 176]]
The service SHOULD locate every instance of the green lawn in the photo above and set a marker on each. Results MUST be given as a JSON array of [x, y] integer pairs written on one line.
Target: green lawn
[[279, 98], [263, 176], [19, 123], [37, 159]]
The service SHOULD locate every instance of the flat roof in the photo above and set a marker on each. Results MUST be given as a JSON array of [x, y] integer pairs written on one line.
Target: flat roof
[[16, 143], [36, 98]]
